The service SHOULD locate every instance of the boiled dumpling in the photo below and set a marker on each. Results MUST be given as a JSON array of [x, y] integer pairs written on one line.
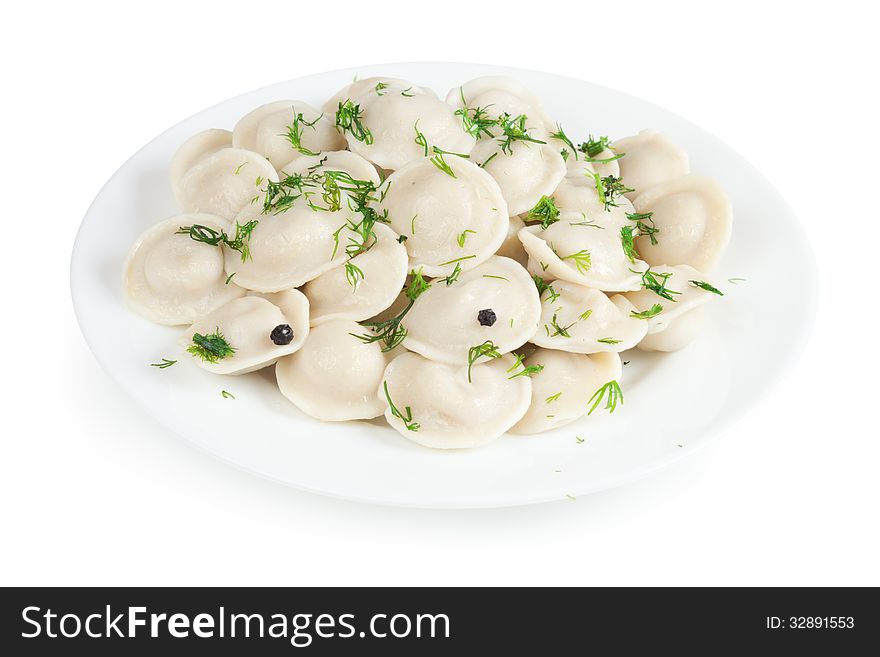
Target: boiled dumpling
[[225, 181], [681, 289], [392, 122], [497, 95], [448, 220], [173, 279], [562, 390], [649, 158], [345, 161], [678, 334], [585, 251], [582, 320], [434, 404], [377, 85], [248, 334], [496, 302], [525, 171], [363, 286], [289, 248], [334, 376], [512, 247], [578, 192], [286, 129], [191, 151], [693, 217]]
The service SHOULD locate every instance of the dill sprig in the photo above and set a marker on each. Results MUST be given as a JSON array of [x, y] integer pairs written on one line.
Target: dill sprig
[[163, 364], [514, 129], [349, 119], [527, 370], [657, 284], [561, 136], [441, 164], [295, 132], [456, 272], [703, 285], [627, 240], [609, 341], [476, 121], [610, 189], [391, 332], [614, 396], [582, 260], [545, 211], [353, 274], [485, 350], [462, 237], [208, 235], [592, 147], [210, 348], [561, 331], [644, 229], [380, 87], [542, 285], [406, 417], [653, 311], [420, 139]]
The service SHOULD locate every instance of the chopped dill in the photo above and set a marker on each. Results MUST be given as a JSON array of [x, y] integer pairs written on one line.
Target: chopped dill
[[485, 350], [653, 311], [614, 396], [211, 348], [349, 119], [545, 211], [406, 417], [703, 285], [165, 363]]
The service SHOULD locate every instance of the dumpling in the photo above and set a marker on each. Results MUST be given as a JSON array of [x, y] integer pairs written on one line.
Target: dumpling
[[377, 85], [248, 334], [649, 158], [582, 320], [582, 250], [392, 123], [449, 218], [562, 390], [578, 192], [525, 171], [435, 405], [191, 151], [225, 181], [289, 248], [286, 129], [363, 286], [678, 334], [170, 278], [677, 289], [499, 94], [512, 247], [335, 376], [344, 161], [694, 218], [496, 301]]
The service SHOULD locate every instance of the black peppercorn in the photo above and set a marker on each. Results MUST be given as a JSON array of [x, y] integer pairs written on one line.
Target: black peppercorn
[[486, 317], [282, 334]]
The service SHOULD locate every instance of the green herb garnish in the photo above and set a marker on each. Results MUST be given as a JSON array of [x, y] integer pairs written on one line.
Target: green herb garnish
[[653, 311], [657, 284], [349, 119], [208, 235], [163, 364], [581, 260], [641, 219], [614, 395], [406, 417], [703, 285], [226, 394], [514, 129], [211, 348], [627, 240], [485, 350], [441, 164], [545, 211], [295, 132], [527, 370], [463, 236]]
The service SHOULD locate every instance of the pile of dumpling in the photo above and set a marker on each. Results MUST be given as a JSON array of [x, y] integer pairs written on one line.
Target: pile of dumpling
[[460, 266]]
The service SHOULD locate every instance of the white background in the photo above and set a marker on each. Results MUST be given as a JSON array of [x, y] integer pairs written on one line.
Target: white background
[[94, 492]]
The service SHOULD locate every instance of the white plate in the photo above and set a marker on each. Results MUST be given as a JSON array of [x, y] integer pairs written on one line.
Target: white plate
[[674, 404]]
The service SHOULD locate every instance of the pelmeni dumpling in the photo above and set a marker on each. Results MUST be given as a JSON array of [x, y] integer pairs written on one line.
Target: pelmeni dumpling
[[499, 94], [363, 286], [170, 278], [445, 410], [286, 129], [377, 85], [345, 161], [394, 120], [525, 172], [191, 151], [512, 247], [335, 376], [561, 392], [496, 301], [446, 220], [678, 283], [649, 158], [584, 251], [288, 248], [223, 182], [582, 320], [678, 334], [256, 330], [694, 217], [578, 192]]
